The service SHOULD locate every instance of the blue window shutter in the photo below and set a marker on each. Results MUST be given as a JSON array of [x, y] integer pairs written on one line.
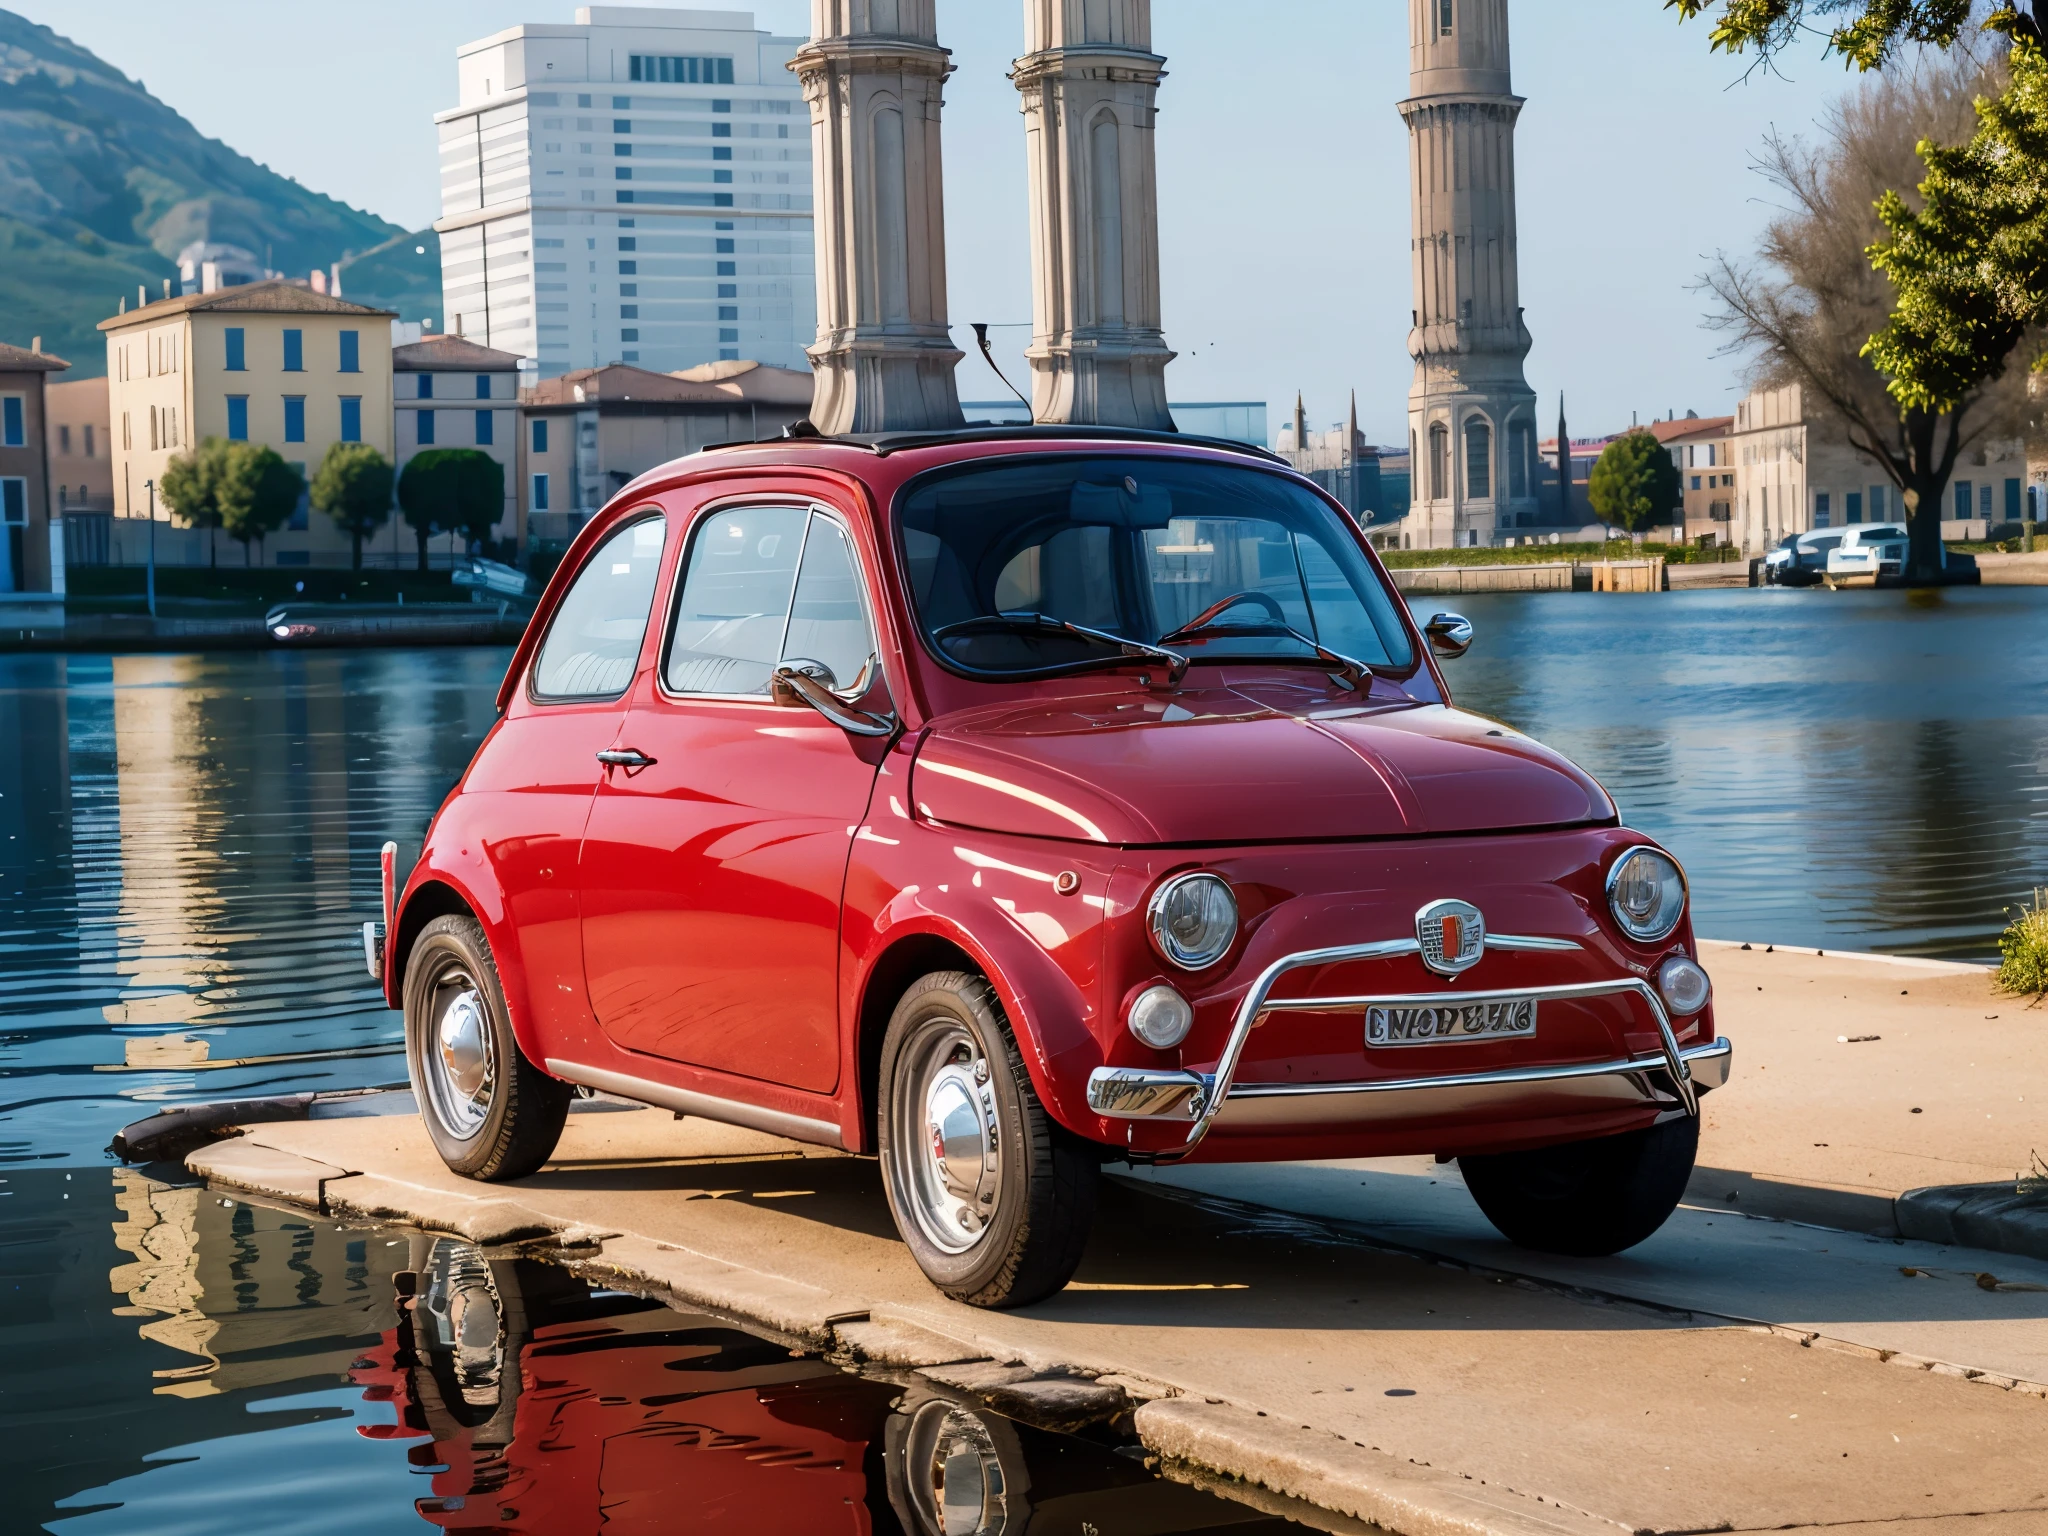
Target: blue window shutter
[[294, 351], [426, 427], [235, 363], [238, 418], [351, 355], [13, 426], [484, 426], [426, 386], [540, 435], [295, 418], [351, 419], [14, 501], [483, 386], [540, 493]]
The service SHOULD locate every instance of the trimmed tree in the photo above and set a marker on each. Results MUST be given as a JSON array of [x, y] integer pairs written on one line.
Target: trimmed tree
[[451, 490], [190, 488], [353, 486], [257, 492], [1634, 482]]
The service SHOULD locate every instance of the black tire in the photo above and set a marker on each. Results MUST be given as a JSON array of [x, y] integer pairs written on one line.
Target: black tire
[[1031, 1213], [510, 1125], [1586, 1198]]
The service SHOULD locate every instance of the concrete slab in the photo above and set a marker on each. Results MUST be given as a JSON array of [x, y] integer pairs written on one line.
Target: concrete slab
[[1520, 1399]]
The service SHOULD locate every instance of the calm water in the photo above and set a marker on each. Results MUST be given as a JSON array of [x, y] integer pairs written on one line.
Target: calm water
[[187, 844]]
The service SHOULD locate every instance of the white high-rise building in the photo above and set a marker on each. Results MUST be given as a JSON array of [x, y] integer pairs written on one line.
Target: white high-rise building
[[634, 188]]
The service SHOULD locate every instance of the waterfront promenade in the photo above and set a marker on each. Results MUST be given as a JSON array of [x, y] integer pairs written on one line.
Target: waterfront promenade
[[1353, 1335]]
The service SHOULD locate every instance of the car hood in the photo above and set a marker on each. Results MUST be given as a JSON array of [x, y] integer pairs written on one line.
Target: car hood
[[1242, 764]]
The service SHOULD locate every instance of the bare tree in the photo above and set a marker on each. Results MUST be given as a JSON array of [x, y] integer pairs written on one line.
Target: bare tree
[[1806, 309]]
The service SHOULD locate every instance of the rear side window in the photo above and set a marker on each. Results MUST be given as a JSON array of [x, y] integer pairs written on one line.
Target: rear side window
[[594, 640], [765, 586]]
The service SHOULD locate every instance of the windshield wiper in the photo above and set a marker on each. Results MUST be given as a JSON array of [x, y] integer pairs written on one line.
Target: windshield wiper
[[1136, 650], [1356, 674]]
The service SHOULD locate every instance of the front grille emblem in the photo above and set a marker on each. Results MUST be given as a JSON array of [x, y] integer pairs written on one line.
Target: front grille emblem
[[1452, 935]]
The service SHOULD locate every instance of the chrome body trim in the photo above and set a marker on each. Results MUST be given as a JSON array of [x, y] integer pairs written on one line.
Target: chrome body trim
[[685, 1101], [1257, 1001], [373, 948], [1136, 1093]]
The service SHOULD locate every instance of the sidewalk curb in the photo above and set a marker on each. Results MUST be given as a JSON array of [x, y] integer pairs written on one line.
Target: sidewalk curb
[[2000, 1217]]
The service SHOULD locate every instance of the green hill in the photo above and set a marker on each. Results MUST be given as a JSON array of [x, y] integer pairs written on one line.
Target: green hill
[[102, 185]]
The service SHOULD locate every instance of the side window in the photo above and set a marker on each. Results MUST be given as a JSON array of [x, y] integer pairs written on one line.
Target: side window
[[765, 585], [594, 639]]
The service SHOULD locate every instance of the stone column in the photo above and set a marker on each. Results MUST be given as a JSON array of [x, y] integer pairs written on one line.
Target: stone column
[[1088, 78], [874, 74]]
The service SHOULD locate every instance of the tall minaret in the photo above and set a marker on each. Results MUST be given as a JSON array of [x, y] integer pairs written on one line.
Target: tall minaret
[[1471, 413], [874, 75], [1088, 78]]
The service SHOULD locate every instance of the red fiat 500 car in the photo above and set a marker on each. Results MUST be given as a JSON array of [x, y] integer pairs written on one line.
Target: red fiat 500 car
[[1006, 802]]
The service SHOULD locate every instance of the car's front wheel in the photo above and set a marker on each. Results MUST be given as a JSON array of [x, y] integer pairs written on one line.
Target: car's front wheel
[[490, 1112], [1587, 1198], [993, 1198]]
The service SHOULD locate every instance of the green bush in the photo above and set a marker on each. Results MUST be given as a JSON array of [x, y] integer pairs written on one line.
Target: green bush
[[2023, 950]]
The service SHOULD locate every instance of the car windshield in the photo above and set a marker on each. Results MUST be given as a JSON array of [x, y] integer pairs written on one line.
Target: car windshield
[[1008, 558]]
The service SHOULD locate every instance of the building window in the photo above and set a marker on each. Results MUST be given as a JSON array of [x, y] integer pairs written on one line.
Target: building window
[[1820, 505], [485, 434], [89, 445], [294, 351], [728, 290], [351, 352], [728, 354], [1439, 461], [351, 418], [1852, 507], [539, 499], [1444, 18], [1984, 500], [424, 421], [729, 334], [1478, 460], [64, 441], [728, 311], [629, 268], [667, 69], [728, 268], [622, 124], [295, 418], [629, 311], [1877, 512], [483, 386], [236, 361], [238, 418], [1519, 447], [2012, 501], [630, 355], [630, 333], [13, 421], [628, 243], [14, 502], [629, 290], [724, 246], [540, 435], [1962, 494]]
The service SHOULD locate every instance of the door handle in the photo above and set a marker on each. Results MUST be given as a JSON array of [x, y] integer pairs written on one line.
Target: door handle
[[624, 757]]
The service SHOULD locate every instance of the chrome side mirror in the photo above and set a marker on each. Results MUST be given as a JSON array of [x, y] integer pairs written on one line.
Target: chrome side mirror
[[796, 685], [1450, 634]]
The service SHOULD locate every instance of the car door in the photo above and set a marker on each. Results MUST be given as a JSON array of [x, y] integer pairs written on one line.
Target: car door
[[713, 869], [540, 768]]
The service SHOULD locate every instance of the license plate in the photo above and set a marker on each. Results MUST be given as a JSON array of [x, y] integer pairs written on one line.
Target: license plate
[[1443, 1023]]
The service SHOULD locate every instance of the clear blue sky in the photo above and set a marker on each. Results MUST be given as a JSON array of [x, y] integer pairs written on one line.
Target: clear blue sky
[[1283, 172]]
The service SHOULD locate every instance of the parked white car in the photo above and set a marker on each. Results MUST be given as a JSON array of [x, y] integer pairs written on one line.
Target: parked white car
[[1868, 552]]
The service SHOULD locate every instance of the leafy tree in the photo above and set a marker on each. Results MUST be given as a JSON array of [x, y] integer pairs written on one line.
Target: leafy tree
[[257, 492], [451, 490], [1805, 313], [190, 488], [353, 486], [1871, 32], [1634, 482], [1968, 266]]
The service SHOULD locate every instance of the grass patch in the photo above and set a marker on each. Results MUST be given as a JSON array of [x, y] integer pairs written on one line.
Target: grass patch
[[2023, 949]]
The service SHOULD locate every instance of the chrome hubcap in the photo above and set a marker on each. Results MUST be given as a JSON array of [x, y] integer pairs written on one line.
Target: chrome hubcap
[[955, 1473], [460, 1056], [952, 1163]]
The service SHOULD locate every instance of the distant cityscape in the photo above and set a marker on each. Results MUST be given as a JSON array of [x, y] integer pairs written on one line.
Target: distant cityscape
[[627, 273]]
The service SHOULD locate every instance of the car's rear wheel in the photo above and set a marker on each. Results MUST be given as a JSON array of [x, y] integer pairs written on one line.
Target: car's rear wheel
[[490, 1112], [993, 1198], [1586, 1198]]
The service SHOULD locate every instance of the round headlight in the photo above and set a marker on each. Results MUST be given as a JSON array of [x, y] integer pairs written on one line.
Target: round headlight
[[1160, 1017], [1684, 985], [1646, 893], [1193, 919]]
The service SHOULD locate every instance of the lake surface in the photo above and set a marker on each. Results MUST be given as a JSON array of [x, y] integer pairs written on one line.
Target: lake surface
[[188, 845]]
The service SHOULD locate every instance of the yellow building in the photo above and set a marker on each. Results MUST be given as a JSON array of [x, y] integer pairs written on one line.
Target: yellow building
[[270, 363]]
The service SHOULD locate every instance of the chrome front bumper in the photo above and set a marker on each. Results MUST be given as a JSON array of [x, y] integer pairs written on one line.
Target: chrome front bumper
[[1202, 1099]]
